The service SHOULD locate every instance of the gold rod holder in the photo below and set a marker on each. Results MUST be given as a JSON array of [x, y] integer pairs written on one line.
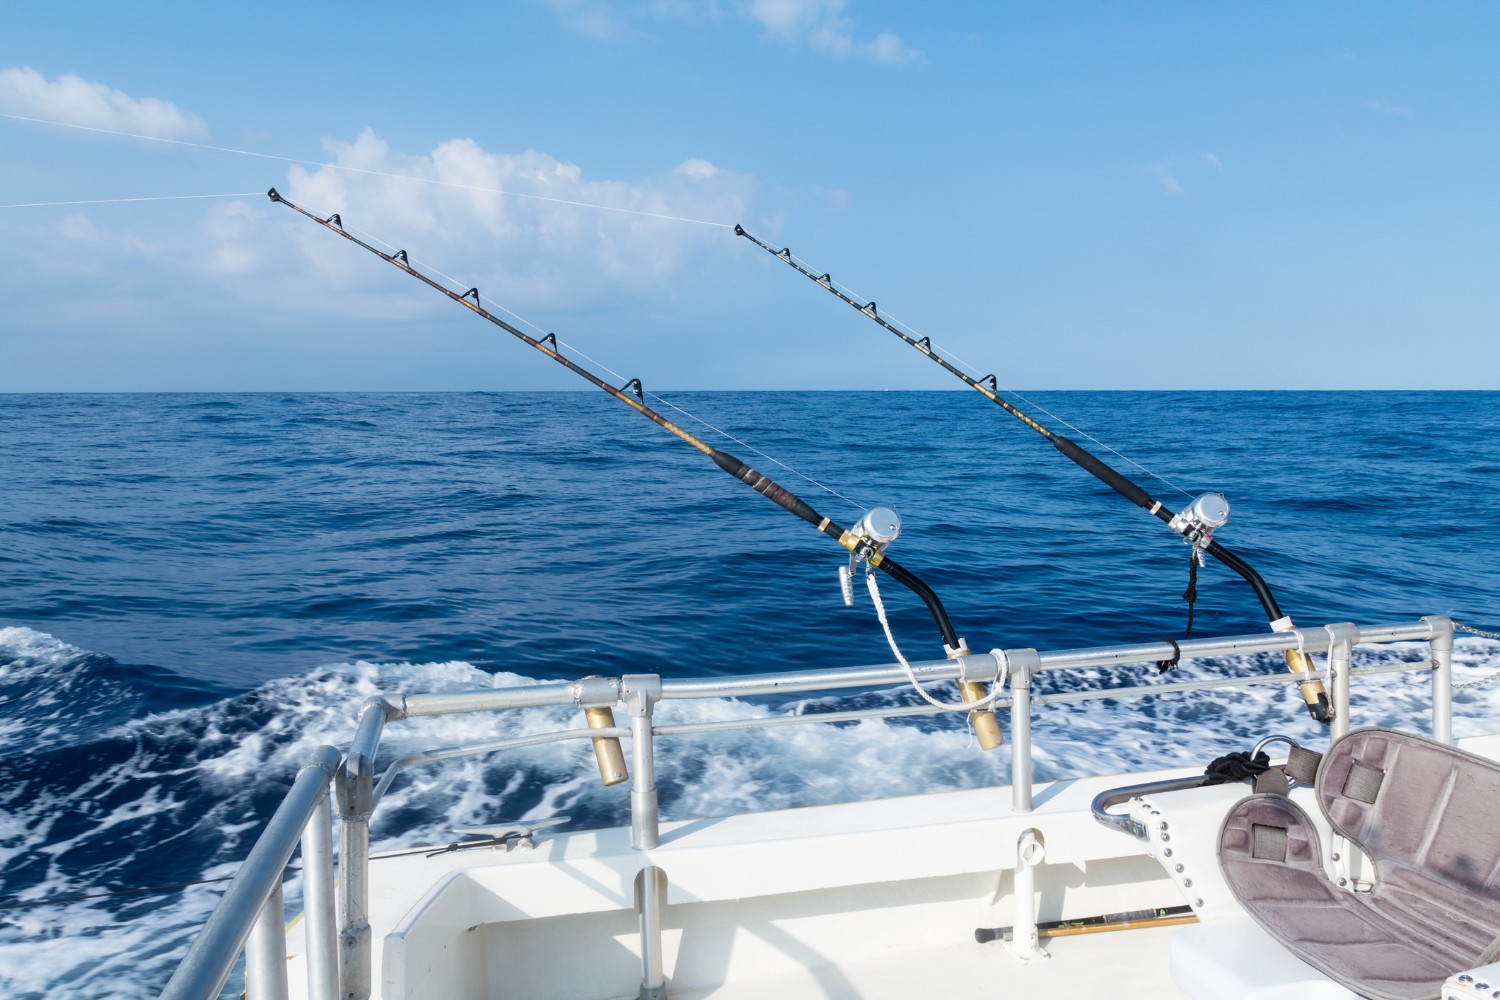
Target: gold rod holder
[[607, 748], [986, 726]]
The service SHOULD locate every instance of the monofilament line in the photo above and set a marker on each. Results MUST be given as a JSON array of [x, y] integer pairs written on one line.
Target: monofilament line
[[369, 172], [428, 268], [975, 374], [121, 201]]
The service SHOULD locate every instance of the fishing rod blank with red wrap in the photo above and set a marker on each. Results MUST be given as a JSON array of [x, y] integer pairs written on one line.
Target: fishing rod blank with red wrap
[[1196, 523]]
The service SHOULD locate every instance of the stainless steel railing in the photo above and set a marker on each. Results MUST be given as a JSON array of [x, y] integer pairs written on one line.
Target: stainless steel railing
[[340, 960]]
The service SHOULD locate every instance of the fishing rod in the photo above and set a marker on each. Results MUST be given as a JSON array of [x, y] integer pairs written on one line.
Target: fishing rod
[[865, 542], [1196, 523]]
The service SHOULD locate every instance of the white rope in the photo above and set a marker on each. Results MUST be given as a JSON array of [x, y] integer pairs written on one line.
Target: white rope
[[366, 171], [996, 688]]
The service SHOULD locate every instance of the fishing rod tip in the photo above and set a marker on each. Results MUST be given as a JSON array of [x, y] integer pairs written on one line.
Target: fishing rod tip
[[273, 195], [739, 230]]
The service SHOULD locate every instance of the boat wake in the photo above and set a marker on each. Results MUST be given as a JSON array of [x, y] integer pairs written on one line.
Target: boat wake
[[117, 778]]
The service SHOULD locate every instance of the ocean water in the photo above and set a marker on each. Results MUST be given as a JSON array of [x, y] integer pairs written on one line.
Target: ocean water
[[197, 589]]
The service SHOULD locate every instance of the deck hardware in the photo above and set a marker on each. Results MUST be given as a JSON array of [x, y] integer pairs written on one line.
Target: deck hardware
[[515, 835]]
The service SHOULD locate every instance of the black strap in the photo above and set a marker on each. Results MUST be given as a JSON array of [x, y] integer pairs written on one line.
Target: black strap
[[1191, 594]]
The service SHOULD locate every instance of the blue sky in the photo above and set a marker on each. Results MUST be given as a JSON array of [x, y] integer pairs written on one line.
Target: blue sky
[[1070, 195]]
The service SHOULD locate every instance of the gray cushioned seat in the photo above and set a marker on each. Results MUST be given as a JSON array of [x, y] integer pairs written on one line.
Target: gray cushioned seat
[[1428, 818]]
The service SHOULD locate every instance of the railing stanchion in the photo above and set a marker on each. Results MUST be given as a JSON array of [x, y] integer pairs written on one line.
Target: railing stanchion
[[1022, 665], [650, 897], [1442, 677], [1341, 640], [265, 951], [641, 692], [318, 904], [356, 798]]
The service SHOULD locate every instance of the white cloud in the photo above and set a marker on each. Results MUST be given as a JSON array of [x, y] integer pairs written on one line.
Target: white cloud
[[792, 18], [697, 169], [822, 24], [888, 48], [594, 18], [76, 101], [533, 232], [1212, 160]]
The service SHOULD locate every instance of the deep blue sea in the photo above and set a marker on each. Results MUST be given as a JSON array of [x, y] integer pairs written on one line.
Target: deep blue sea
[[197, 589]]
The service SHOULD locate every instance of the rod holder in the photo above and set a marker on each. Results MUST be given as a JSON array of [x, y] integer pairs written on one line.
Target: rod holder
[[986, 726], [606, 748]]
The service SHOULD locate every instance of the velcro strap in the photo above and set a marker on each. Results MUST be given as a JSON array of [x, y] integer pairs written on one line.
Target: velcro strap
[[1270, 842], [1271, 781], [1363, 783], [1302, 765]]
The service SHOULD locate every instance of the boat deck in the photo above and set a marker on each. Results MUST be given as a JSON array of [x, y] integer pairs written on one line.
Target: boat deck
[[1124, 965]]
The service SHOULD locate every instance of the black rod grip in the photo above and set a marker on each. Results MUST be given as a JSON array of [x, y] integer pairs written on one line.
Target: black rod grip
[[1130, 491], [1250, 576], [935, 607], [766, 487]]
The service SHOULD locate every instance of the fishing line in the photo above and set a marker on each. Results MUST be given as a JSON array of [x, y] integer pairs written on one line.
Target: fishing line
[[974, 372], [367, 171], [120, 201], [865, 542], [562, 343], [1195, 523]]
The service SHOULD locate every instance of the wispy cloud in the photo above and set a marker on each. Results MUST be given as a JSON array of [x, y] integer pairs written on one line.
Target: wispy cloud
[[531, 230], [824, 27], [72, 99], [821, 25], [594, 18], [1212, 160], [1162, 174], [1387, 108]]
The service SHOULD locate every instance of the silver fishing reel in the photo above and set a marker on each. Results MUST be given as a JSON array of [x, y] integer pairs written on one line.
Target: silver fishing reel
[[878, 528], [1197, 521]]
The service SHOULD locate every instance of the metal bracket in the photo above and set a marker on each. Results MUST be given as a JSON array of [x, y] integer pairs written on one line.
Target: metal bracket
[[595, 691], [516, 835]]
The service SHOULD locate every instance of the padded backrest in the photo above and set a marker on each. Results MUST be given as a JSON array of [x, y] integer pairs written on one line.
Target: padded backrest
[[1428, 818], [1427, 808]]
